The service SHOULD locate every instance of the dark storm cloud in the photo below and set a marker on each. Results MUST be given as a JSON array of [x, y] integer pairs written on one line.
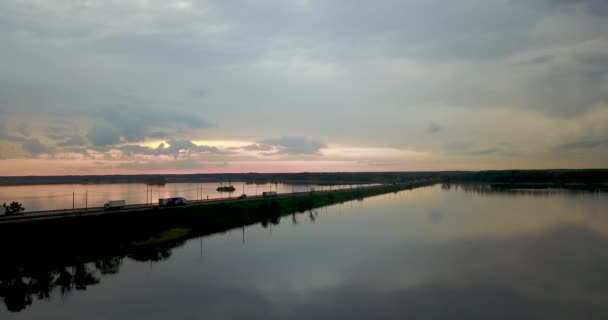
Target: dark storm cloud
[[290, 145]]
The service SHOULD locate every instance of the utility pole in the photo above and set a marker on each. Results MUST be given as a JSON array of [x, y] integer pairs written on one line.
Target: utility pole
[[73, 195]]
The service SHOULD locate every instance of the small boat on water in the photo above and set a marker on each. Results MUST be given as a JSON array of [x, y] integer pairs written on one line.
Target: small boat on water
[[226, 189]]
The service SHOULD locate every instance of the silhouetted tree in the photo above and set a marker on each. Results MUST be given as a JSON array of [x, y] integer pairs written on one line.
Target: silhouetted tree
[[14, 208]]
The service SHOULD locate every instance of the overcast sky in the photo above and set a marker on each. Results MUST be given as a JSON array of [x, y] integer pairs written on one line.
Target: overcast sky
[[130, 86]]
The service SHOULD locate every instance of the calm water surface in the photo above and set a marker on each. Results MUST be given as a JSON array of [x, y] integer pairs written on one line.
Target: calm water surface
[[424, 254]]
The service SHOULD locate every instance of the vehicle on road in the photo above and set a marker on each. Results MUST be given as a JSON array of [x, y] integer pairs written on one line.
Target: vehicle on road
[[243, 196], [172, 202], [2, 211], [114, 204], [269, 194]]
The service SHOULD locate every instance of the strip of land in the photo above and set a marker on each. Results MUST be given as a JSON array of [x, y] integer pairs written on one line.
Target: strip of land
[[116, 231], [196, 204]]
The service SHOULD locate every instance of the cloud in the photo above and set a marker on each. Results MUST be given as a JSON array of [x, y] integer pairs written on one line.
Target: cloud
[[59, 131], [175, 147], [34, 146], [3, 131], [593, 7], [457, 146], [489, 151], [290, 145], [75, 140], [539, 59], [583, 144], [23, 129], [136, 124], [158, 134], [104, 135], [259, 147], [163, 165], [434, 128], [468, 149], [381, 74], [6, 135]]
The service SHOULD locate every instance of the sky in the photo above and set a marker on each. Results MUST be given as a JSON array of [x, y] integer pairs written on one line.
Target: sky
[[178, 86]]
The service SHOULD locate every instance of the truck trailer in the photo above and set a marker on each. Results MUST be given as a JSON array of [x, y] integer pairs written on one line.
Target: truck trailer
[[114, 204], [2, 211], [269, 194], [171, 202]]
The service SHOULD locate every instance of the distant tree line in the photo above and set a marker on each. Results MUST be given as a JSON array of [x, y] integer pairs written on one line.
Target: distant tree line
[[583, 176]]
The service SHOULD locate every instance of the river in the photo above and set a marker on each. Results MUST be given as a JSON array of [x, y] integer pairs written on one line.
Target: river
[[428, 253]]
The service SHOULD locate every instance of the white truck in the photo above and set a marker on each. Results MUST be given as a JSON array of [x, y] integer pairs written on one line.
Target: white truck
[[114, 204], [269, 194]]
